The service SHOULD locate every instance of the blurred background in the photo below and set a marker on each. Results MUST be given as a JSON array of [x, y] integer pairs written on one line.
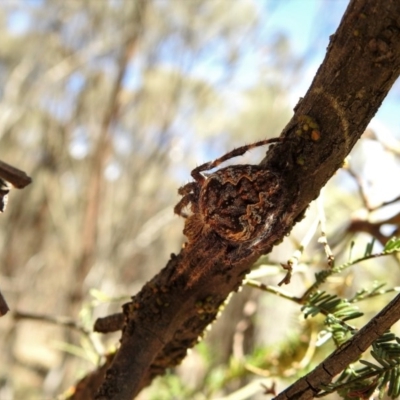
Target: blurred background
[[108, 105]]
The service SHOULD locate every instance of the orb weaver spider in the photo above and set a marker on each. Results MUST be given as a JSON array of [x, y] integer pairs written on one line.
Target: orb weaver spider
[[235, 202]]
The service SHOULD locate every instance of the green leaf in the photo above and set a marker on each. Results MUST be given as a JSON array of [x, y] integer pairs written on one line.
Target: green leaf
[[386, 337], [394, 383], [354, 315], [369, 247], [392, 245], [371, 365]]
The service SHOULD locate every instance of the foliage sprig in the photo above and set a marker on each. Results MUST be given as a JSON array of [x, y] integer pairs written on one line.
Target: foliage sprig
[[382, 374]]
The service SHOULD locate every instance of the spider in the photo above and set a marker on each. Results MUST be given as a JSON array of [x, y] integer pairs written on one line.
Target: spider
[[235, 202]]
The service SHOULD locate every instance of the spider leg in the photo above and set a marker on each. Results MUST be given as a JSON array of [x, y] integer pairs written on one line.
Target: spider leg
[[196, 173], [188, 188], [181, 205], [187, 199]]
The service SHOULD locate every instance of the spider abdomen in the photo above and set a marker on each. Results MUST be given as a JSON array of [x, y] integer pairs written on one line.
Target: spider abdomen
[[236, 201]]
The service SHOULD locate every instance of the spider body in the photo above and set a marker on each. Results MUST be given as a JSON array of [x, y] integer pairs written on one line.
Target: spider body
[[234, 202]]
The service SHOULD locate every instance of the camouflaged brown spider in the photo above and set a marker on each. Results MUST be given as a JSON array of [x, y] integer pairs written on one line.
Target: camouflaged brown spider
[[235, 202]]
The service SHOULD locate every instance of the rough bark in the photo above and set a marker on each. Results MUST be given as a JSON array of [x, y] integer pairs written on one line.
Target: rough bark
[[308, 386], [171, 312]]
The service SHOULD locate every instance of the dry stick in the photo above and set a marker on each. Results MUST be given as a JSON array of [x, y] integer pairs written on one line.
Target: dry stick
[[52, 319], [323, 239], [294, 260], [111, 323], [19, 179], [171, 312], [386, 203], [308, 386], [360, 188]]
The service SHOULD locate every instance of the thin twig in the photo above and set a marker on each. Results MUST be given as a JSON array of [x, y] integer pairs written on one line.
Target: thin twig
[[56, 320], [277, 291], [110, 323], [386, 203], [15, 176], [294, 260], [323, 239], [360, 188], [314, 287], [311, 384]]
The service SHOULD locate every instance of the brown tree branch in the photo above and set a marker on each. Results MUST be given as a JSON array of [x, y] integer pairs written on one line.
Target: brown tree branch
[[111, 323], [19, 179], [308, 386], [56, 320], [171, 312], [95, 186]]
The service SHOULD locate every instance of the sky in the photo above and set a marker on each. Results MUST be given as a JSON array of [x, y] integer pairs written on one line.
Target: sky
[[308, 24]]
